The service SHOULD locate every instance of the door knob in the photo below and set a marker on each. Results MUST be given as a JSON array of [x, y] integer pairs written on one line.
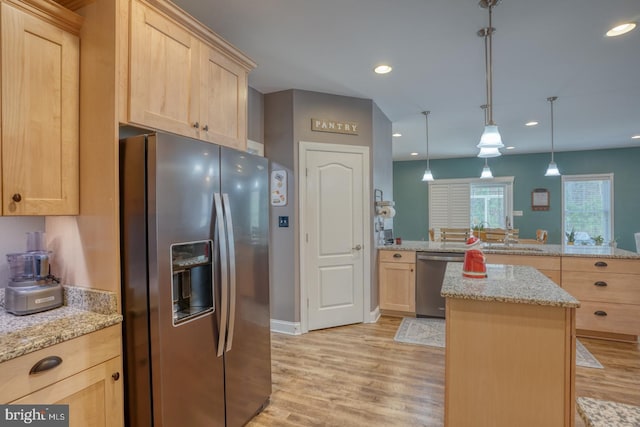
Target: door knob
[[357, 248]]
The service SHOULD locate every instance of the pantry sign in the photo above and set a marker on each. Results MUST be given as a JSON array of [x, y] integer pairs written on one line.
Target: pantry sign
[[334, 126]]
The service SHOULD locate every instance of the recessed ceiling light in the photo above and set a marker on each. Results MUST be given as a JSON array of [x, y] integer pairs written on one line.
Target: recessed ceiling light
[[397, 135], [383, 69], [621, 29], [511, 147], [635, 137], [531, 123], [414, 154]]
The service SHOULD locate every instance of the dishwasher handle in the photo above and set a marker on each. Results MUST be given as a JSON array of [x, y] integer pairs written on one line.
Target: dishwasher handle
[[448, 258]]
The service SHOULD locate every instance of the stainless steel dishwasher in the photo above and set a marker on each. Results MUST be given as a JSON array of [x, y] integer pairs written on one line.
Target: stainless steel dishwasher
[[429, 276]]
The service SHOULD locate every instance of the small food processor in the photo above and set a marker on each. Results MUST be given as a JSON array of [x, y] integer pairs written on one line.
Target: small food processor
[[31, 288]]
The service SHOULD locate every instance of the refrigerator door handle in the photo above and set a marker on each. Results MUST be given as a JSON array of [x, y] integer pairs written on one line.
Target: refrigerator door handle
[[232, 269], [224, 297]]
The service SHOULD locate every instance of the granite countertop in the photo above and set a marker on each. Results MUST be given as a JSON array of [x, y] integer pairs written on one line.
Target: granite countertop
[[84, 311], [602, 413], [506, 283], [518, 249]]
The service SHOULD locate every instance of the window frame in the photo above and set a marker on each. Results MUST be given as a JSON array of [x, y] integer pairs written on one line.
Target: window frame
[[589, 177]]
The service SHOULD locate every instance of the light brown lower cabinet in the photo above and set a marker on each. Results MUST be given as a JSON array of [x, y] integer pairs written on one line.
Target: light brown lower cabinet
[[94, 396], [509, 364], [88, 379], [608, 293], [397, 280]]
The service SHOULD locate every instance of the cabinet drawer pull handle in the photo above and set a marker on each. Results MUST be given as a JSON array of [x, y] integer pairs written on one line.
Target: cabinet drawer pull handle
[[601, 284], [45, 364], [397, 256], [17, 198], [600, 264], [600, 313]]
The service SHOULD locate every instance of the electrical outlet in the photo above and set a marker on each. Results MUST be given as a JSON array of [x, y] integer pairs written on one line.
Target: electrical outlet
[[517, 213]]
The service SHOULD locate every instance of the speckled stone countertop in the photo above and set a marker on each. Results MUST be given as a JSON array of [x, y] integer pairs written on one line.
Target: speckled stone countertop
[[601, 413], [84, 311], [506, 283], [518, 249]]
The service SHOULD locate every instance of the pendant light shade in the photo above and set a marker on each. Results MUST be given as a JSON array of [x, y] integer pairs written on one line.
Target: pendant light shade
[[552, 170], [428, 176], [486, 171], [490, 138]]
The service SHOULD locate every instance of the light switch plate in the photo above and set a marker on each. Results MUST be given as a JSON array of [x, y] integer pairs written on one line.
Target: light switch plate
[[517, 213]]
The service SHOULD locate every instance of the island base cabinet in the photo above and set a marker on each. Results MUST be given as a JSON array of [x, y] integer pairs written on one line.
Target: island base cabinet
[[509, 364], [94, 396]]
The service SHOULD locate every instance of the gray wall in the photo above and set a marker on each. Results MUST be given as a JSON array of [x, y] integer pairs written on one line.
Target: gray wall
[[255, 116], [287, 118], [382, 167]]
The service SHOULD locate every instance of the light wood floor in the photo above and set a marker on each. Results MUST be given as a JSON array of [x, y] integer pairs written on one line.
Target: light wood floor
[[359, 376]]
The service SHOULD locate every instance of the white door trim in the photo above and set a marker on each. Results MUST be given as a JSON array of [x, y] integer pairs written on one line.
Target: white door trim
[[305, 146]]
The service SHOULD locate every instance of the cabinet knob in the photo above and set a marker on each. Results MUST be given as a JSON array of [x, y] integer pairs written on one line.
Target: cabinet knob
[[600, 264], [16, 198], [205, 128], [600, 284], [600, 313], [115, 376], [196, 125]]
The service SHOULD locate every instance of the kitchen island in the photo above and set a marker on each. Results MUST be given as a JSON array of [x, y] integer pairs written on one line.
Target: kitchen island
[[605, 279], [510, 352]]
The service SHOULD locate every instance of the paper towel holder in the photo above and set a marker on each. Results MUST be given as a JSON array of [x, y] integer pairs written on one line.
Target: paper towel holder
[[378, 196]]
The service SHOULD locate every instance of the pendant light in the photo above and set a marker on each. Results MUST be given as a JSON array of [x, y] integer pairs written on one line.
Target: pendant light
[[490, 141], [428, 176], [552, 170], [486, 171]]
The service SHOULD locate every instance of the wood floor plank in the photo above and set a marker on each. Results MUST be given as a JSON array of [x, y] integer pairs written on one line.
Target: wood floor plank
[[358, 375]]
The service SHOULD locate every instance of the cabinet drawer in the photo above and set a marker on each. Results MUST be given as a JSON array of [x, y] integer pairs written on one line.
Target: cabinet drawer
[[539, 262], [602, 287], [397, 256], [619, 318], [628, 266], [77, 355]]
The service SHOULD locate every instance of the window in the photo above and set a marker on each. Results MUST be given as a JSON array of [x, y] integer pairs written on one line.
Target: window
[[587, 206], [490, 204], [461, 203]]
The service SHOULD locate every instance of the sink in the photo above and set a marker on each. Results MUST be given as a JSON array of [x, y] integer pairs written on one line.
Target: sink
[[513, 248]]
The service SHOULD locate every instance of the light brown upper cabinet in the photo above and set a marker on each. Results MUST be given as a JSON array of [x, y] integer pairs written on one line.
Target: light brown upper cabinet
[[40, 109], [182, 84]]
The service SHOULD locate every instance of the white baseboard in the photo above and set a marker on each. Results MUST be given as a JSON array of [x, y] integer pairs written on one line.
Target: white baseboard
[[374, 315], [284, 327]]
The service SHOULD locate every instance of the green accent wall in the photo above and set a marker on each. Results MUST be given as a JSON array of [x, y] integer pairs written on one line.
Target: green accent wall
[[411, 194]]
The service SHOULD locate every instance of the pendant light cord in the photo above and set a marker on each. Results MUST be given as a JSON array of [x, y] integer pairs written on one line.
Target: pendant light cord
[[551, 99], [489, 48], [426, 116]]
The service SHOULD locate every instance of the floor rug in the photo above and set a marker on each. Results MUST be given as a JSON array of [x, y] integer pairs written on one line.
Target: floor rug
[[431, 332]]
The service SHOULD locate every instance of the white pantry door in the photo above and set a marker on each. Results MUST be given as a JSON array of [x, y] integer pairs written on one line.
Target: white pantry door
[[334, 184]]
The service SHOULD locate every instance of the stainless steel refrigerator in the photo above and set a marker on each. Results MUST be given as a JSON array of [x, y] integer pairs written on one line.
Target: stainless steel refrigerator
[[195, 282]]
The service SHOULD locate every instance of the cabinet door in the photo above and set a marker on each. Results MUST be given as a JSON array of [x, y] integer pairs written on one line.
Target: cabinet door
[[94, 396], [40, 111], [398, 287], [223, 100], [164, 66]]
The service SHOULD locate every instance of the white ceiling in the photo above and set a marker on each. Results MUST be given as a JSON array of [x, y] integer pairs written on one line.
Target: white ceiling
[[541, 48]]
